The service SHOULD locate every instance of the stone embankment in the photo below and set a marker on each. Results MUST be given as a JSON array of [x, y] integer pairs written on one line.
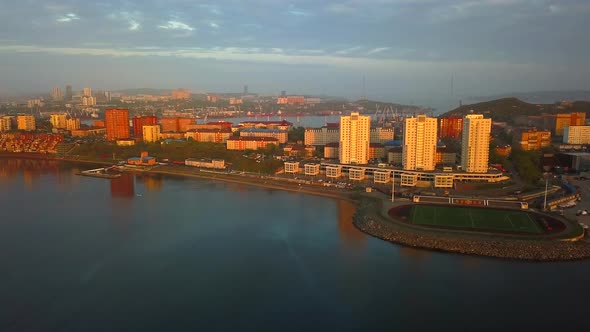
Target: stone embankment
[[369, 221]]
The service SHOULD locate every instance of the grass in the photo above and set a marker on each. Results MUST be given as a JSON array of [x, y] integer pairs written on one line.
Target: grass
[[478, 219]]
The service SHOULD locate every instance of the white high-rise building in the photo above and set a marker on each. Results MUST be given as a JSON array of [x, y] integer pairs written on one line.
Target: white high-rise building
[[87, 92], [58, 120], [475, 143], [151, 133], [419, 143], [56, 94], [354, 139]]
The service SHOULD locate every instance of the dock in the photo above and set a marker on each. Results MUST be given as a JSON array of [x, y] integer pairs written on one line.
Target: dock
[[100, 173]]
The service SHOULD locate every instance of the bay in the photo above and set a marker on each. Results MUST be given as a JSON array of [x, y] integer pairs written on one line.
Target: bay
[[155, 253]]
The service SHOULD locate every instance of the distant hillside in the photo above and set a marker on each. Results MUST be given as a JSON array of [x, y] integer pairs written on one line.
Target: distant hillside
[[145, 91], [507, 109], [538, 97], [371, 105]]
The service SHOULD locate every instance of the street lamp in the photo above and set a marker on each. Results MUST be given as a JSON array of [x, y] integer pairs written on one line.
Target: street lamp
[[546, 185], [392, 186]]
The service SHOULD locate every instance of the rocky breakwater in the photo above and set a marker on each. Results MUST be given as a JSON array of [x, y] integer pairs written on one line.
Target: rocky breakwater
[[368, 220]]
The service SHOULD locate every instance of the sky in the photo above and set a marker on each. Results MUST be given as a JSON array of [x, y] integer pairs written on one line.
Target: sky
[[406, 50]]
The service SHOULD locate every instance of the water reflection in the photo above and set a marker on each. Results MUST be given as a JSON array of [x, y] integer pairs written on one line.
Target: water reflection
[[28, 178], [413, 253], [123, 186], [348, 233], [151, 182], [30, 169]]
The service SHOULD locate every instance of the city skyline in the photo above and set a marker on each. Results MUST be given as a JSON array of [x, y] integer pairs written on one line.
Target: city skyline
[[421, 51]]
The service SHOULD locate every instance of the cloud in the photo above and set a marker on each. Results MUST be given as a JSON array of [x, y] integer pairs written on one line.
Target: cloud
[[131, 19], [292, 10], [257, 55], [377, 50], [212, 9], [67, 18], [348, 50], [312, 51], [341, 8], [134, 25], [176, 25], [214, 25]]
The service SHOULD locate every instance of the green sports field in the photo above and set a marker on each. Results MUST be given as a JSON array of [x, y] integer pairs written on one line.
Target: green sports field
[[477, 219]]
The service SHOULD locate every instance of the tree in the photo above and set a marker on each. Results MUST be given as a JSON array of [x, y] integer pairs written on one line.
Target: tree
[[296, 134]]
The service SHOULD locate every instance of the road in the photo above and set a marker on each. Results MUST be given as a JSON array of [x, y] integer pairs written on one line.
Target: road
[[584, 186]]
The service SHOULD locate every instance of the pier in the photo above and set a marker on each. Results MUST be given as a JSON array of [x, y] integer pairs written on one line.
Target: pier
[[102, 172]]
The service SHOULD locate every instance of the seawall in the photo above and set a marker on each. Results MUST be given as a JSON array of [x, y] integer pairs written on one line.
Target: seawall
[[369, 220]]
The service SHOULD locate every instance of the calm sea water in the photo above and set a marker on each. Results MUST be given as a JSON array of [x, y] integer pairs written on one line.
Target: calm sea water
[[173, 254]]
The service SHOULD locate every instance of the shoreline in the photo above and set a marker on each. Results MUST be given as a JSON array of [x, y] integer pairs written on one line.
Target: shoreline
[[368, 218], [191, 173], [274, 184]]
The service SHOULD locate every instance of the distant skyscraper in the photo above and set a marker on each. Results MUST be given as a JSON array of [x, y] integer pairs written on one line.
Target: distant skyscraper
[[354, 139], [245, 89], [283, 93], [117, 123], [69, 93], [475, 144], [87, 92], [419, 144], [56, 94]]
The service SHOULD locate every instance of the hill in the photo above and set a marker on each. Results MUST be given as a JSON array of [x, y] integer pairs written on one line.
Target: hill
[[371, 105], [538, 97], [145, 91], [508, 109]]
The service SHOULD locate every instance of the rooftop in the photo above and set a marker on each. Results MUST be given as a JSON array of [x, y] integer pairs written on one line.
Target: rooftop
[[263, 130], [242, 138]]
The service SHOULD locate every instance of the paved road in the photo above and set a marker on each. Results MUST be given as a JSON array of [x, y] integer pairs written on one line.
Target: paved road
[[584, 186]]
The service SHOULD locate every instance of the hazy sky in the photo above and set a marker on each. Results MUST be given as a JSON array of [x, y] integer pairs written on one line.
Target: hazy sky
[[405, 48]]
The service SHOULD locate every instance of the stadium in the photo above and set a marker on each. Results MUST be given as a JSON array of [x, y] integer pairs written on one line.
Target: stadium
[[477, 219]]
